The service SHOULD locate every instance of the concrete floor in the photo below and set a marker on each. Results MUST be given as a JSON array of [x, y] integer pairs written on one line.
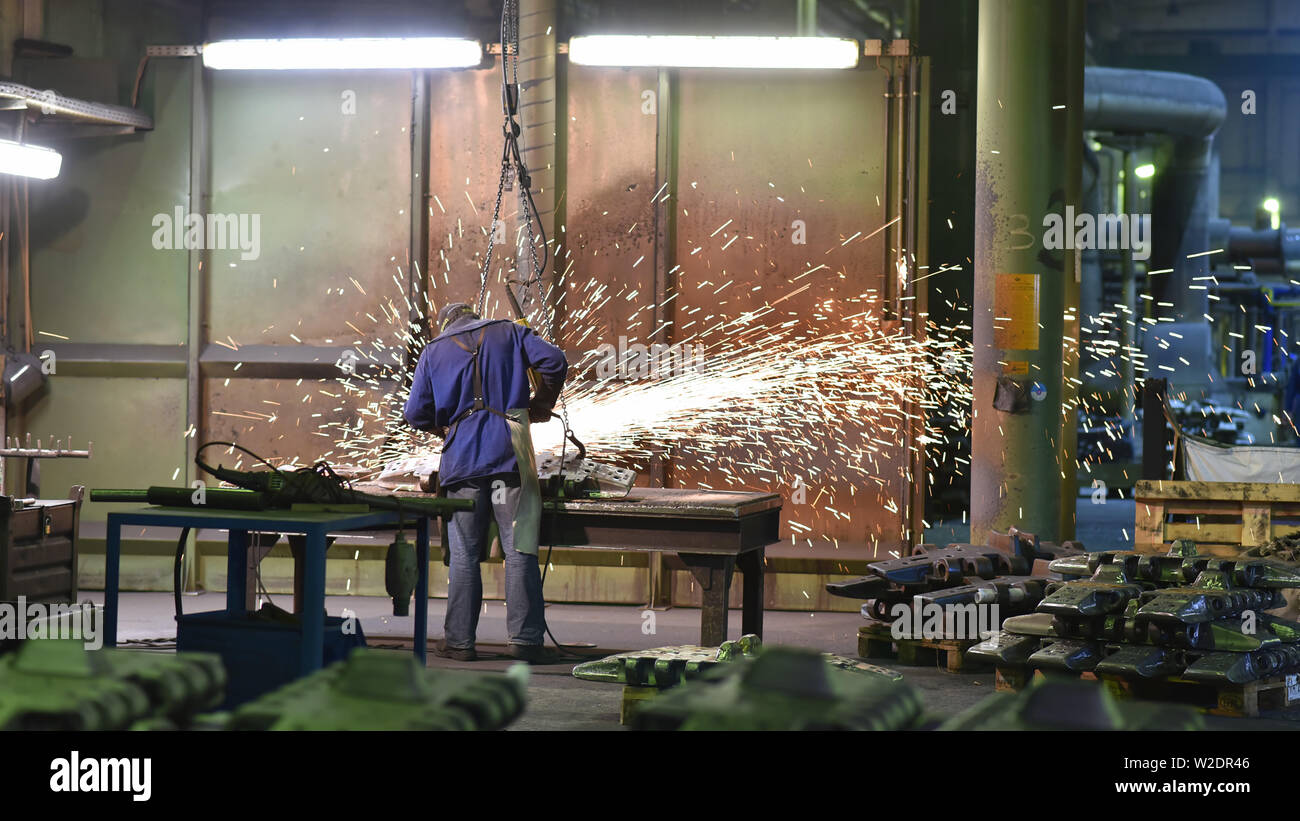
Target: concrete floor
[[556, 700]]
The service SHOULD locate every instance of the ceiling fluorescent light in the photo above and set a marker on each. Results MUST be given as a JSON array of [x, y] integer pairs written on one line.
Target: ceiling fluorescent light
[[713, 52], [29, 160], [360, 53]]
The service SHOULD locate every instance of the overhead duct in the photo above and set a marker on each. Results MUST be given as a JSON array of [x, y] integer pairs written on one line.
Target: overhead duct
[[1186, 197]]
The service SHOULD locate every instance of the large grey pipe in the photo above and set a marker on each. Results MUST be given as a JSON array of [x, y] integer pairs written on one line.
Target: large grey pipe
[[1186, 197], [1189, 109]]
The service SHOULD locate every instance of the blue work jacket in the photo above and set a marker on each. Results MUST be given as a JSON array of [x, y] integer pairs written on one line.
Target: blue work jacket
[[442, 389]]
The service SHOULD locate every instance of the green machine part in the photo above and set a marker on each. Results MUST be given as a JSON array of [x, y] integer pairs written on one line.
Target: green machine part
[[1071, 705], [58, 684], [664, 667], [1143, 616], [783, 688], [388, 690], [220, 498]]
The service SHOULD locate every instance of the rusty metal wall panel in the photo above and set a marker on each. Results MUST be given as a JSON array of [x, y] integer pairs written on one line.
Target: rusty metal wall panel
[[759, 151], [137, 426], [610, 203], [823, 163], [611, 169], [277, 418], [331, 189], [465, 168], [96, 276]]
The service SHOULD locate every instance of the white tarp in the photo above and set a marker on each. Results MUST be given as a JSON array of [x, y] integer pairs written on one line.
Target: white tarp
[[1206, 462]]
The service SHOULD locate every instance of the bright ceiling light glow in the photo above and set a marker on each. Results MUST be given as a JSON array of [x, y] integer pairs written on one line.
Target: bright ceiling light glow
[[713, 52], [1271, 205], [29, 160], [1146, 171], [359, 53]]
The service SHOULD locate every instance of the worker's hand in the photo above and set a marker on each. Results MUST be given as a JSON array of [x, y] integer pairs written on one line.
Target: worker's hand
[[538, 412]]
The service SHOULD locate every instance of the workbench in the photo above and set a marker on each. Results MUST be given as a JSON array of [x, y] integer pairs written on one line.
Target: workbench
[[712, 532], [313, 525]]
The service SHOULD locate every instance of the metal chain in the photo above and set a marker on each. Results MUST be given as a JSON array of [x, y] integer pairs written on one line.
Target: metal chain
[[527, 209], [509, 43], [492, 233]]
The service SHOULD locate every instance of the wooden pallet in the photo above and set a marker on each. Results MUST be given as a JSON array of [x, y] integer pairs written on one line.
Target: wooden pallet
[[876, 642], [1237, 700], [1223, 518], [634, 698]]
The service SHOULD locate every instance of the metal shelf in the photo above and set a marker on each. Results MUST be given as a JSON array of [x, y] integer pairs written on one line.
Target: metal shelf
[[67, 111]]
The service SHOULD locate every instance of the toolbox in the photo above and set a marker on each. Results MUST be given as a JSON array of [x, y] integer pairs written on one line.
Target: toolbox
[[38, 547]]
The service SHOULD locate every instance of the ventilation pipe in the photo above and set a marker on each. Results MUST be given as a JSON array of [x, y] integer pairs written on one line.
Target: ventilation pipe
[[1186, 196]]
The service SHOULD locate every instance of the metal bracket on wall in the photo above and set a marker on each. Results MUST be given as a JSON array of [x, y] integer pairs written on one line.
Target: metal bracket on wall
[[173, 51], [51, 104]]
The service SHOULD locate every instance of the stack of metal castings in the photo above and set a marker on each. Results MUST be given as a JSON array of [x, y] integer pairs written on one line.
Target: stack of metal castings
[[1071, 705], [784, 688], [959, 574], [1283, 548], [56, 684], [388, 690], [664, 667], [1142, 616]]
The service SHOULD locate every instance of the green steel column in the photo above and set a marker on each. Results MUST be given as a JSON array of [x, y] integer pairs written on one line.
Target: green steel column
[[806, 18], [200, 199], [1028, 146]]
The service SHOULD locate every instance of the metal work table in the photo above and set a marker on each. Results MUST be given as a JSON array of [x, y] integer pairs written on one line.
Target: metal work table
[[713, 533], [239, 523]]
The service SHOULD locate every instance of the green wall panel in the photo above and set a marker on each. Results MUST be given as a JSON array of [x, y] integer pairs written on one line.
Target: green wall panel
[[331, 190], [96, 276], [137, 426]]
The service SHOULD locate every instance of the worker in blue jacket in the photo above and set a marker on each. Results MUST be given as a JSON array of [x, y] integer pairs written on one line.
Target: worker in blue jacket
[[471, 387]]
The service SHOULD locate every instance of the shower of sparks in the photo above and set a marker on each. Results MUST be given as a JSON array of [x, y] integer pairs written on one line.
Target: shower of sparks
[[830, 402]]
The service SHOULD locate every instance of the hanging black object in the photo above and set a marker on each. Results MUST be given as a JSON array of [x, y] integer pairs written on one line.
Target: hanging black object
[[401, 572]]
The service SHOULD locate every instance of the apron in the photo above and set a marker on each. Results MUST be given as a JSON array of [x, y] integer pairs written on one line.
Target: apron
[[527, 524]]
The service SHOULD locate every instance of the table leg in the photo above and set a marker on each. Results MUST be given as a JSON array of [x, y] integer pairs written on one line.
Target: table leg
[[259, 546], [422, 589], [313, 602], [714, 575], [236, 571], [112, 558], [297, 544], [750, 564]]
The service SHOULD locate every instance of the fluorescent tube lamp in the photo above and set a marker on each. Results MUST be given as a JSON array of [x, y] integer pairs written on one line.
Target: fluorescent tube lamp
[[29, 160], [360, 53], [713, 52]]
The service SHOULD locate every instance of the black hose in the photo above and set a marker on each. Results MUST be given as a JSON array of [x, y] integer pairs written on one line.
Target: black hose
[[176, 571]]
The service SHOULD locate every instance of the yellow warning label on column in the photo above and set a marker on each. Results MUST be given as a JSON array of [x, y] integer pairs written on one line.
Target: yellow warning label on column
[[1015, 312]]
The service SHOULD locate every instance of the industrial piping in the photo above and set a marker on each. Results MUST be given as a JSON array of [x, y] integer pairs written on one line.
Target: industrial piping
[[1189, 109]]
